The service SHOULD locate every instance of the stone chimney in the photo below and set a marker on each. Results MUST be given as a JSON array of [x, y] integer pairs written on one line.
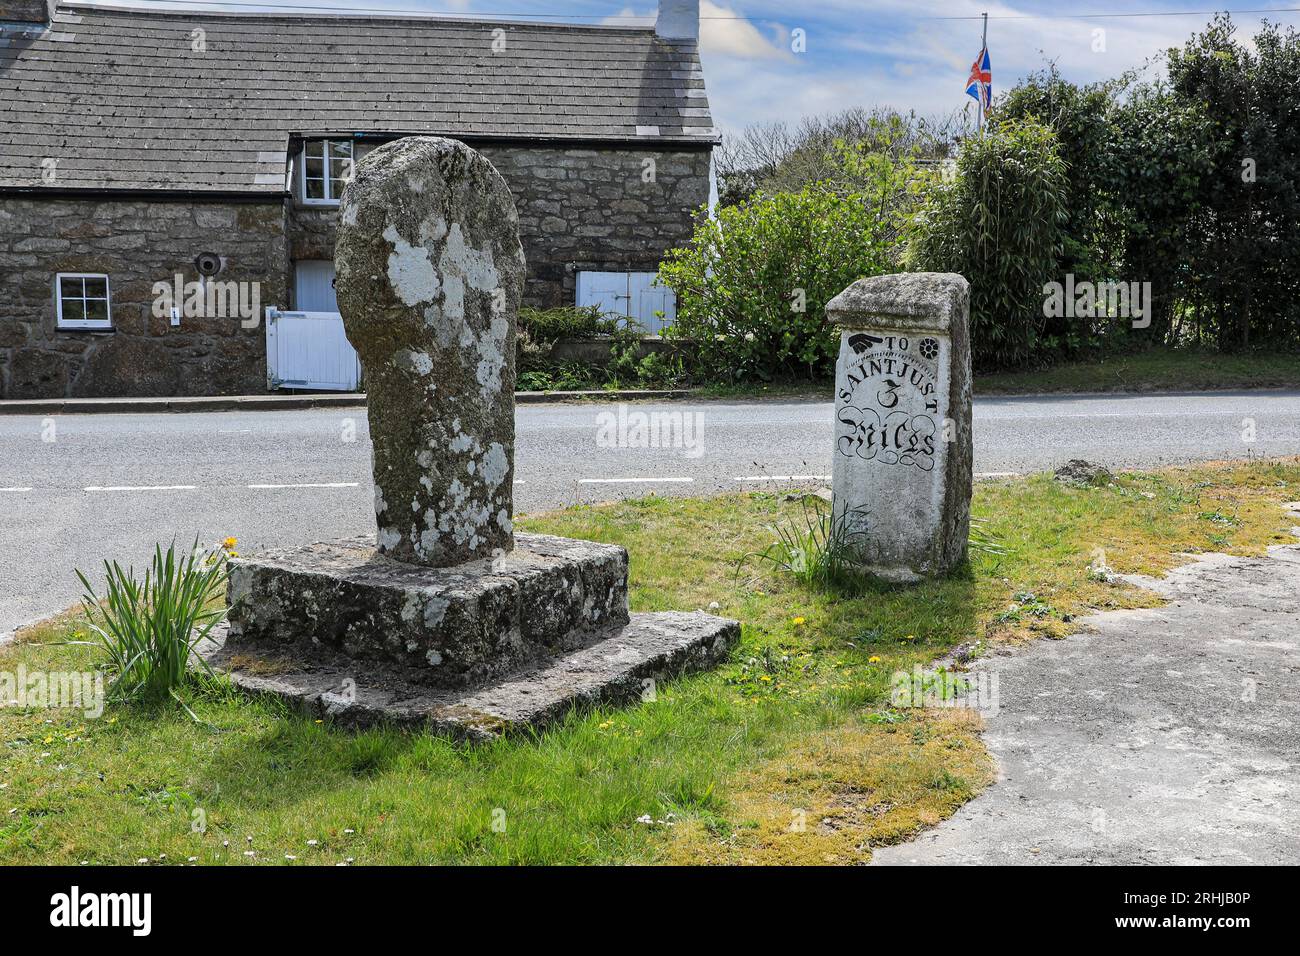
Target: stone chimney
[[26, 11], [678, 20]]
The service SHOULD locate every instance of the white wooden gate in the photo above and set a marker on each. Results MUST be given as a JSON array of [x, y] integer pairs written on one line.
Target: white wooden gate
[[633, 295], [309, 350]]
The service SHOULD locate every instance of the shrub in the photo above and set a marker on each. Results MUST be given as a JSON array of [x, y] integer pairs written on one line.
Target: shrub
[[1081, 117], [1189, 183], [753, 284], [1241, 266], [998, 222], [148, 629], [567, 322], [540, 329]]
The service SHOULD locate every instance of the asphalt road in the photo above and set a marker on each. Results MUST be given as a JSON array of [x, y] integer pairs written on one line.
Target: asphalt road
[[76, 489]]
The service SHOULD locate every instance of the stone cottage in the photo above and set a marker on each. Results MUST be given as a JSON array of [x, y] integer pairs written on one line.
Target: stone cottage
[[168, 177]]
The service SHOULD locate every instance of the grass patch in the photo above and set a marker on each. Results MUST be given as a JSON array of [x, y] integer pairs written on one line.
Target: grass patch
[[712, 770], [1161, 369]]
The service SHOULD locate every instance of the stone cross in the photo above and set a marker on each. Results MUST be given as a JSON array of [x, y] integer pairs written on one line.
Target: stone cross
[[901, 473], [430, 274]]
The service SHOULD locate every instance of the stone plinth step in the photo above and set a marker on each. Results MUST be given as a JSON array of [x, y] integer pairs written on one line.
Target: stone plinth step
[[614, 669], [463, 624]]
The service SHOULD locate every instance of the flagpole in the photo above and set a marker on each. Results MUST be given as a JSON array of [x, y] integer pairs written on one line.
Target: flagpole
[[984, 45]]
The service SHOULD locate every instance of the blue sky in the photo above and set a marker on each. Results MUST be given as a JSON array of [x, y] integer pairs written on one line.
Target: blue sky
[[902, 53]]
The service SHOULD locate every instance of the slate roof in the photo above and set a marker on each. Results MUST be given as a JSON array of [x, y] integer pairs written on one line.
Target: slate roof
[[121, 101]]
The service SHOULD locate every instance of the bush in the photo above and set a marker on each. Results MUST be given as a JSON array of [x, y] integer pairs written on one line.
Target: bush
[[1081, 119], [1189, 183], [148, 630], [753, 284], [540, 329], [567, 322], [999, 222], [1242, 270]]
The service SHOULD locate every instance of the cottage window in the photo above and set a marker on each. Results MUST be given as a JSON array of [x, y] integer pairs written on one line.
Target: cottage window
[[326, 169], [82, 300]]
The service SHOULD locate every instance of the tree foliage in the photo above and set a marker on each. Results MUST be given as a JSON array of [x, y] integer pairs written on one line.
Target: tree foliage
[[1244, 263], [770, 158], [1189, 182], [999, 221], [753, 284]]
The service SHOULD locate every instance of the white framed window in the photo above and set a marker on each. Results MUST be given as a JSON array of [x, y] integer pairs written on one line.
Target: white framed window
[[326, 169], [82, 300]]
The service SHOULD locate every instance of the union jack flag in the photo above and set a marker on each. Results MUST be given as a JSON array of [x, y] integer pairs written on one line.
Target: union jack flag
[[980, 83]]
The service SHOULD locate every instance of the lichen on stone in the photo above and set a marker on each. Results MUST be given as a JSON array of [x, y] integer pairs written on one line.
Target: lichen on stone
[[430, 276]]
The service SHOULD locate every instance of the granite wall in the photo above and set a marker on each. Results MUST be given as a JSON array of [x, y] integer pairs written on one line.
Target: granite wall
[[579, 209], [137, 243]]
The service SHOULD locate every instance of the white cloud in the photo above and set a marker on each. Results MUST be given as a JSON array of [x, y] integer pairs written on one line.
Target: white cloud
[[724, 32]]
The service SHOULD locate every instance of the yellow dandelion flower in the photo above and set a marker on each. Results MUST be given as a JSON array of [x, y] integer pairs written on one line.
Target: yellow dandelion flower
[[230, 543], [799, 621], [873, 659]]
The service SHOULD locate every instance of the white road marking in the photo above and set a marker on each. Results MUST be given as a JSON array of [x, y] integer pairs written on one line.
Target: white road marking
[[631, 481], [15, 489], [311, 484], [783, 478], [140, 488], [997, 474]]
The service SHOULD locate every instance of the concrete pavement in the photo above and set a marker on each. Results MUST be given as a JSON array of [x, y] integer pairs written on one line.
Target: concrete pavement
[[1166, 735], [75, 489]]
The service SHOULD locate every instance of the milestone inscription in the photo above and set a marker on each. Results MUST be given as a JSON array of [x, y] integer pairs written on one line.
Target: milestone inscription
[[901, 466], [888, 400]]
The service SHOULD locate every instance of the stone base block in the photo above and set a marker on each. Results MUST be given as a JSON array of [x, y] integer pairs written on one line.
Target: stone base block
[[447, 627], [616, 667]]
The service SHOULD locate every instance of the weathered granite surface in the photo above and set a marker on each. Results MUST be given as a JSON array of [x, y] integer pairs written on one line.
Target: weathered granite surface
[[579, 209], [620, 666], [429, 278], [451, 626], [450, 622], [902, 466]]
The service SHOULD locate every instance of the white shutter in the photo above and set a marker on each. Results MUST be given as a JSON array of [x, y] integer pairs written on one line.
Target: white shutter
[[608, 291], [649, 297]]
